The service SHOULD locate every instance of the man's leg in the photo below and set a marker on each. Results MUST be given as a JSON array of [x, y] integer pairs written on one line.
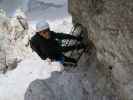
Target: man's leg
[[68, 59], [60, 58]]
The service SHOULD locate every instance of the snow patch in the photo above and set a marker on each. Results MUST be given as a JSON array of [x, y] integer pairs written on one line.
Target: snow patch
[[14, 84]]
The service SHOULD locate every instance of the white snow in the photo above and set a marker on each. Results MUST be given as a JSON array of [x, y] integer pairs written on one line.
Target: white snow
[[14, 83]]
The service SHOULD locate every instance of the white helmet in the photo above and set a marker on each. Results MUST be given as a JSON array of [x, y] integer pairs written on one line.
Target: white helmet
[[43, 25]]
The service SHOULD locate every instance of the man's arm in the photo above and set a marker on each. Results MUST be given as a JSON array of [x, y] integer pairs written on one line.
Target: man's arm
[[36, 49], [64, 36]]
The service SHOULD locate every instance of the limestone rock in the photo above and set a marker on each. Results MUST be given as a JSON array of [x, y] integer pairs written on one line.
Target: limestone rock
[[12, 42], [59, 87], [109, 26], [82, 83]]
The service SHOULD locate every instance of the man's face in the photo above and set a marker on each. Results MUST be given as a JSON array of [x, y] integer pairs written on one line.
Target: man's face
[[45, 34]]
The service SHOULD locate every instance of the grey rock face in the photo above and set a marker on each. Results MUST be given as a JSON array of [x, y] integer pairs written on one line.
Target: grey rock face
[[85, 82], [109, 25], [39, 9], [59, 87], [34, 4]]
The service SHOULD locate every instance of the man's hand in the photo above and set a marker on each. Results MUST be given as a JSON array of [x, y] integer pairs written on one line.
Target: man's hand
[[49, 60]]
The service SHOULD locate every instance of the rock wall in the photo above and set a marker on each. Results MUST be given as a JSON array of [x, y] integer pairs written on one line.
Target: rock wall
[[13, 39], [109, 26]]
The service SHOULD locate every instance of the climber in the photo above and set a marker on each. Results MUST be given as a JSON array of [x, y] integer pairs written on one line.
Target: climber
[[47, 44]]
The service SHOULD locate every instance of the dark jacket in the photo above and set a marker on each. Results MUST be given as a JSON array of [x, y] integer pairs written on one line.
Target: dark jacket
[[49, 48]]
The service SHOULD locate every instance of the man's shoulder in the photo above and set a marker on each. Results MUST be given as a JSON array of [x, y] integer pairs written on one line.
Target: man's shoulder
[[52, 32], [35, 38]]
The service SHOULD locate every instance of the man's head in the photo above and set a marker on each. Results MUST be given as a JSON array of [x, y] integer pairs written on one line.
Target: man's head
[[42, 28]]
